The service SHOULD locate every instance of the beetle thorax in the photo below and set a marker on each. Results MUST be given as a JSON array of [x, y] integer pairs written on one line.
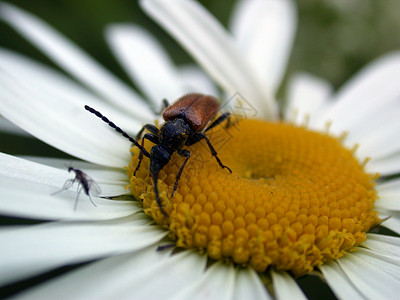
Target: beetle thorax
[[174, 133]]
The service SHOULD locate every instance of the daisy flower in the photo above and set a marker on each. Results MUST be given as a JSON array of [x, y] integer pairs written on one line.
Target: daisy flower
[[303, 194]]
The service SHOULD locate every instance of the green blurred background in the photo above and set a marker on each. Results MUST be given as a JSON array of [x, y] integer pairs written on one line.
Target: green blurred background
[[335, 39]]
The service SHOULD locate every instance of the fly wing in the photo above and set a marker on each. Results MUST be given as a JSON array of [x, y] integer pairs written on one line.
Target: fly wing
[[66, 186], [93, 188]]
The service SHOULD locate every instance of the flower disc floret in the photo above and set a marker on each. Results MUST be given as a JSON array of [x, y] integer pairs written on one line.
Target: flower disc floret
[[296, 198]]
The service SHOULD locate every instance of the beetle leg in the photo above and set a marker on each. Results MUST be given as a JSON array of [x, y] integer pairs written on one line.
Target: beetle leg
[[152, 138], [153, 129], [215, 154], [159, 158], [185, 153], [198, 136], [163, 247], [219, 120], [165, 104], [155, 179]]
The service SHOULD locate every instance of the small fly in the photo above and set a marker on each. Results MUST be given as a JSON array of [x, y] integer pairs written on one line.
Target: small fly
[[85, 183]]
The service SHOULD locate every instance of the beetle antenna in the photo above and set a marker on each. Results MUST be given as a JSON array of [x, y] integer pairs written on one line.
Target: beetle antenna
[[155, 179], [118, 129]]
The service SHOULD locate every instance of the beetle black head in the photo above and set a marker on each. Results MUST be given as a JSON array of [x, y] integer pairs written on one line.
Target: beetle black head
[[174, 133]]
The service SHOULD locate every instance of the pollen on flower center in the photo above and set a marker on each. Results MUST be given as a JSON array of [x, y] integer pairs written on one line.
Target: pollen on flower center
[[296, 198]]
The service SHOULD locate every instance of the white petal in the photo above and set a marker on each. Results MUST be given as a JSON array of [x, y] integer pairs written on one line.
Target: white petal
[[19, 168], [339, 282], [382, 243], [385, 166], [369, 280], [383, 141], [389, 195], [209, 285], [196, 81], [384, 214], [371, 88], [47, 82], [146, 62], [393, 223], [391, 186], [10, 128], [170, 275], [210, 44], [30, 251], [391, 202], [265, 32], [307, 94], [74, 60], [85, 282], [249, 286], [377, 133], [28, 199], [131, 276], [58, 117], [389, 264], [285, 287]]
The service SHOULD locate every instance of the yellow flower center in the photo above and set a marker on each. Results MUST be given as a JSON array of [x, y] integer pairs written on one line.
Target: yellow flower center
[[296, 198]]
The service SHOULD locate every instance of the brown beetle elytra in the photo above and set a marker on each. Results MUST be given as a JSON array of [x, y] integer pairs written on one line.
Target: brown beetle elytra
[[185, 123], [196, 109]]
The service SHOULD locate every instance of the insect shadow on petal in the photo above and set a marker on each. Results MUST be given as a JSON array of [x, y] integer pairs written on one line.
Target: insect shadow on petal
[[85, 183], [185, 124]]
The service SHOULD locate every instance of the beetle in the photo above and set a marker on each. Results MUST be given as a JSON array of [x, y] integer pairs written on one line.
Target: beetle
[[85, 182], [185, 124]]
